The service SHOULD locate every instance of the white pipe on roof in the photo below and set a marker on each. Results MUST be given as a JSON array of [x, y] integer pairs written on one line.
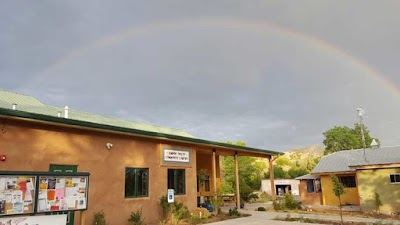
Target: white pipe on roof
[[66, 112]]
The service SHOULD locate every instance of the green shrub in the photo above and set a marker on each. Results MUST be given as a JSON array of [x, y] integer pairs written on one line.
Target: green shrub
[[196, 219], [234, 212], [165, 206], [179, 212], [290, 202], [278, 205], [261, 209], [136, 218], [378, 202], [99, 218]]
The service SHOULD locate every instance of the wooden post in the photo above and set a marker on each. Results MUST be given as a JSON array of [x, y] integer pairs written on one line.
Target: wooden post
[[271, 178], [214, 171], [237, 181], [83, 218]]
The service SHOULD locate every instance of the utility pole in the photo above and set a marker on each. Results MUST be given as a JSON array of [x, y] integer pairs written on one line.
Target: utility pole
[[360, 114]]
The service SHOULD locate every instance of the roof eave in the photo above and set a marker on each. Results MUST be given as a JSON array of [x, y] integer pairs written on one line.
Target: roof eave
[[84, 124]]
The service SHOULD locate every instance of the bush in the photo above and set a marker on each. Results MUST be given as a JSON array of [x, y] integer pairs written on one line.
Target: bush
[[278, 205], [290, 202], [204, 212], [136, 218], [179, 212], [165, 206], [261, 209], [216, 202], [234, 212], [99, 218]]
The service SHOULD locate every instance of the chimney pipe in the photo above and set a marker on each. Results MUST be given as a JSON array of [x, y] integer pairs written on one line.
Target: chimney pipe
[[374, 144], [66, 112], [14, 106]]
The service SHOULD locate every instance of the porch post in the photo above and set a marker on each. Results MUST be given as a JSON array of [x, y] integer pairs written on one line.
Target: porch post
[[214, 171], [237, 181], [271, 178]]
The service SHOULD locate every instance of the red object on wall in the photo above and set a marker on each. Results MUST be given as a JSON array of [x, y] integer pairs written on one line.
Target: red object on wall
[[3, 157]]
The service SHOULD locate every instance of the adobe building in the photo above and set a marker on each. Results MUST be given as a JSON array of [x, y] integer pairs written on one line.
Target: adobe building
[[365, 175], [131, 164]]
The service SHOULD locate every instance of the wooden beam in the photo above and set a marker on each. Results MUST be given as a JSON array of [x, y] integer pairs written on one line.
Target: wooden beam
[[214, 171], [237, 180], [271, 178]]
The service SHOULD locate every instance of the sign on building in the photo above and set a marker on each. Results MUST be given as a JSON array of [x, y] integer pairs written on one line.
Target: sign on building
[[173, 155]]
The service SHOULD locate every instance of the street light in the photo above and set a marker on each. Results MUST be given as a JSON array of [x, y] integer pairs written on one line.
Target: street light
[[360, 112]]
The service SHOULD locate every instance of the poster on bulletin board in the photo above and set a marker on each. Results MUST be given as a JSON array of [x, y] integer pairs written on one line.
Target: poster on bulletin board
[[62, 193], [17, 194]]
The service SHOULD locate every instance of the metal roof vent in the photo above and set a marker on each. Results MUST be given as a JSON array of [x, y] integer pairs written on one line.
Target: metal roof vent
[[66, 112], [374, 144], [14, 106]]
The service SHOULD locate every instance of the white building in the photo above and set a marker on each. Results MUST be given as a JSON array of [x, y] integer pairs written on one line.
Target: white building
[[282, 186]]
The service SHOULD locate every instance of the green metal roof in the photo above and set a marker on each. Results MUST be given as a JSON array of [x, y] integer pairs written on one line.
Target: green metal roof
[[29, 104], [30, 108]]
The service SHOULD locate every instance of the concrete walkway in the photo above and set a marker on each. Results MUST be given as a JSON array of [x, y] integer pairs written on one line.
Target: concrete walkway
[[262, 218]]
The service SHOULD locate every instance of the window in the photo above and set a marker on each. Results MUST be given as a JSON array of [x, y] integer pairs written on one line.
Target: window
[[394, 178], [207, 183], [176, 181], [136, 182], [313, 186], [348, 181], [310, 186]]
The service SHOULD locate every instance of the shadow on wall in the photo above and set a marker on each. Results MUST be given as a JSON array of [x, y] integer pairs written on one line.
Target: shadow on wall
[[378, 181]]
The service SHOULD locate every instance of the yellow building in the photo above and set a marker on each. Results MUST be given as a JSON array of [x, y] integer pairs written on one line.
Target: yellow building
[[366, 175]]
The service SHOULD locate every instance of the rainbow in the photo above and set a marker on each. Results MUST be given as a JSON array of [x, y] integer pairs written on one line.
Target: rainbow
[[221, 22]]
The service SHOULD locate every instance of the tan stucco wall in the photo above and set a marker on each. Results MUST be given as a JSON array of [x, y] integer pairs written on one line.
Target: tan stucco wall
[[350, 197], [309, 198], [33, 147], [378, 181]]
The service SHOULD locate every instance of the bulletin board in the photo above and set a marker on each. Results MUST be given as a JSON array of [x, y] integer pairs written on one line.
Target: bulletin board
[[62, 193], [17, 194]]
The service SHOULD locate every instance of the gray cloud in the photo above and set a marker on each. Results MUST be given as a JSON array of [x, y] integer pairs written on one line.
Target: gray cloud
[[275, 87]]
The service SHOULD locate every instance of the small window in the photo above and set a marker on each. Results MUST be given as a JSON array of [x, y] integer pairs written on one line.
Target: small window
[[310, 186], [136, 182], [394, 178], [207, 183], [348, 181], [176, 181]]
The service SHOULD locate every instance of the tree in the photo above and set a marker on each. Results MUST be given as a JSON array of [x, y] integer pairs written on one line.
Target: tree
[[250, 174], [338, 190], [345, 138], [279, 172]]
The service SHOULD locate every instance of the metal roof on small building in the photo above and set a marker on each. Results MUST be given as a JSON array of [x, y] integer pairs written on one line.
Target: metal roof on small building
[[308, 177], [346, 160]]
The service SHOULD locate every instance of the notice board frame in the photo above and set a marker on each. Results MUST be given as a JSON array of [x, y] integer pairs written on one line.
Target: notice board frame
[[37, 175]]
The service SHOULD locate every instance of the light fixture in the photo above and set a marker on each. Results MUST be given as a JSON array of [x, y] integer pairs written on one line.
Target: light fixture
[[109, 146]]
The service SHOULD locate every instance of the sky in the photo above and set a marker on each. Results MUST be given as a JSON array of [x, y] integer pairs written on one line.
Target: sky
[[273, 74]]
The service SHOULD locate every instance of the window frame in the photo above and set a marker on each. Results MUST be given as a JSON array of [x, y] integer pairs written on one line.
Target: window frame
[[347, 183], [394, 175], [176, 181], [308, 186], [136, 191]]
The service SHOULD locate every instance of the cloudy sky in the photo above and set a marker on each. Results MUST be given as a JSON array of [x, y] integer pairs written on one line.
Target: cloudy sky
[[274, 74]]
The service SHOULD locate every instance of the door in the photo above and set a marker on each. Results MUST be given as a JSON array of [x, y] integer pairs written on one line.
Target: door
[[65, 169]]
